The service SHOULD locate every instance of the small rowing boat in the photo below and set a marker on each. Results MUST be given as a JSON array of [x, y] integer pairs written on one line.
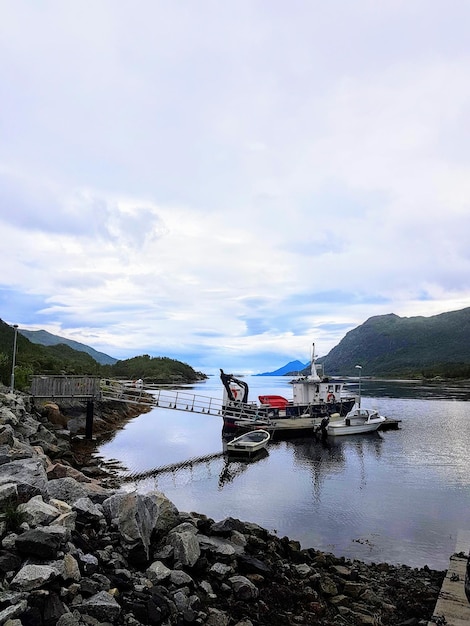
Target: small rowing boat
[[249, 443]]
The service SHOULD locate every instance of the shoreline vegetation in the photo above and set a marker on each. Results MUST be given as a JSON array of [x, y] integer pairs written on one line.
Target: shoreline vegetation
[[77, 550]]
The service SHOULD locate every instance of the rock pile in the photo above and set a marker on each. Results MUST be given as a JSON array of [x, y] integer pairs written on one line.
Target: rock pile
[[75, 552]]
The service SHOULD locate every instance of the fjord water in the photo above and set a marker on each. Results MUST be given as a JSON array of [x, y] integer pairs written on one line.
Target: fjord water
[[395, 496]]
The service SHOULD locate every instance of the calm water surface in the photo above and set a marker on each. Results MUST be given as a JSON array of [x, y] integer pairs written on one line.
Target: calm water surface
[[397, 496]]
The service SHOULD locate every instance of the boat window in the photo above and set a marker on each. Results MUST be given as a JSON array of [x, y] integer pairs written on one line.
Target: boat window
[[317, 388], [338, 388]]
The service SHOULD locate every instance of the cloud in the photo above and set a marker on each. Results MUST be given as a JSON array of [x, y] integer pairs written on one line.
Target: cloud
[[228, 184]]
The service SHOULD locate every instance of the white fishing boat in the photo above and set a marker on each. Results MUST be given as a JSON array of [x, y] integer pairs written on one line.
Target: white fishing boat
[[357, 421], [314, 396], [249, 443]]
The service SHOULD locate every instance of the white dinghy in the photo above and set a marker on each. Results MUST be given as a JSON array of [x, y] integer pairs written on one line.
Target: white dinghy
[[249, 443]]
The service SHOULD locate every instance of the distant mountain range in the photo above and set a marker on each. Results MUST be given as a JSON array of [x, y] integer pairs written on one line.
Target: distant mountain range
[[294, 367], [384, 346], [43, 338], [393, 346]]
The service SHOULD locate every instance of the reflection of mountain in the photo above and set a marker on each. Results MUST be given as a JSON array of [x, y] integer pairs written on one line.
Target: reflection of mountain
[[329, 457], [404, 389]]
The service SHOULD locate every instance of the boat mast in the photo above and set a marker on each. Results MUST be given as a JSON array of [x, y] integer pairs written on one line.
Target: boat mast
[[313, 369]]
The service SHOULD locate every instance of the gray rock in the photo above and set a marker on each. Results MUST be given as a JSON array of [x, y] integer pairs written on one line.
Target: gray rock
[[168, 515], [8, 493], [102, 606], [302, 569], [67, 489], [43, 542], [88, 563], [184, 527], [226, 526], [221, 570], [27, 427], [88, 511], [37, 512], [68, 619], [8, 417], [13, 611], [33, 577], [135, 516], [157, 571], [181, 600], [186, 548], [219, 545], [67, 520], [243, 588], [7, 435], [217, 618], [29, 476], [179, 578]]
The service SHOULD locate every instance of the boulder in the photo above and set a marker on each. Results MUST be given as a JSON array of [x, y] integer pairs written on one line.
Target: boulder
[[29, 476], [33, 577], [135, 516], [37, 512], [42, 542]]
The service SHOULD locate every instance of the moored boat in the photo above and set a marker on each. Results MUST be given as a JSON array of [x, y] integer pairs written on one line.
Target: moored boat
[[249, 443], [357, 421], [313, 397]]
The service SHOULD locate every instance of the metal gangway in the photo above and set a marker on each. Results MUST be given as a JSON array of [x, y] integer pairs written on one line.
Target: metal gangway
[[175, 399]]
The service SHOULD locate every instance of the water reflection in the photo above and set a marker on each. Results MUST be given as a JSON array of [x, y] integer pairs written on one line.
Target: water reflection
[[232, 467], [432, 389], [397, 496]]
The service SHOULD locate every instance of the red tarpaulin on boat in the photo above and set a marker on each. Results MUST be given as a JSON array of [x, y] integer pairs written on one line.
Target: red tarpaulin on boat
[[277, 402]]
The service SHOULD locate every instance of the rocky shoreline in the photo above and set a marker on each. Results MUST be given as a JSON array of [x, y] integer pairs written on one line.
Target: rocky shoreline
[[76, 550]]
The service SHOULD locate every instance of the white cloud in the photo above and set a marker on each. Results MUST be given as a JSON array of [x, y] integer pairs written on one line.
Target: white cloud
[[226, 184]]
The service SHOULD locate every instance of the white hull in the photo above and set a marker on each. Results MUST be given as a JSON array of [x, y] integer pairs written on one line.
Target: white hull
[[356, 422], [343, 429], [249, 443]]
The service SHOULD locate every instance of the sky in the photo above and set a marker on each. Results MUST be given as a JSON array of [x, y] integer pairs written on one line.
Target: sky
[[227, 183]]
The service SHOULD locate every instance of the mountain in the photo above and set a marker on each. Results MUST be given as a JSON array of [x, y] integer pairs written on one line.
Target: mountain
[[294, 367], [389, 345], [43, 338]]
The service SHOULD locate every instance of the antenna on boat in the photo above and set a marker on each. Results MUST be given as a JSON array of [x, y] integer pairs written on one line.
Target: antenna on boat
[[313, 369]]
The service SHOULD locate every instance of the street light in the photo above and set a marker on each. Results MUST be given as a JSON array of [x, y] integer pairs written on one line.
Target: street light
[[359, 367], [12, 386]]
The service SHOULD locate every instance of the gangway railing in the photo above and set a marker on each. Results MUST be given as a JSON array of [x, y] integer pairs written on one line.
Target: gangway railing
[[178, 400], [184, 401]]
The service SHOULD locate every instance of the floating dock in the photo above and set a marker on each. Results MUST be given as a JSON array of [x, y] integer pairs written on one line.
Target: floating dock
[[390, 424], [452, 606]]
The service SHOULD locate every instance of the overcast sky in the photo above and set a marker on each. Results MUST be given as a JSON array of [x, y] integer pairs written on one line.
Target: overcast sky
[[226, 183]]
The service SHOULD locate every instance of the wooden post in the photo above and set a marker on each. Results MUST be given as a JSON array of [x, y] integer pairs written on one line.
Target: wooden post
[[89, 420]]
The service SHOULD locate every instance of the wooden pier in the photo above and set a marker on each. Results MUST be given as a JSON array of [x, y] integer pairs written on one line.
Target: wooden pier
[[452, 607]]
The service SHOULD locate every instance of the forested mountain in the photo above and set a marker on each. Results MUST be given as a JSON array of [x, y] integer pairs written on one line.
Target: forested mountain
[[45, 338], [36, 359], [33, 358], [389, 345]]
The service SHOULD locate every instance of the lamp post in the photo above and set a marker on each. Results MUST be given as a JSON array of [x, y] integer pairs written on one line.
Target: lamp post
[[12, 386], [359, 367]]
